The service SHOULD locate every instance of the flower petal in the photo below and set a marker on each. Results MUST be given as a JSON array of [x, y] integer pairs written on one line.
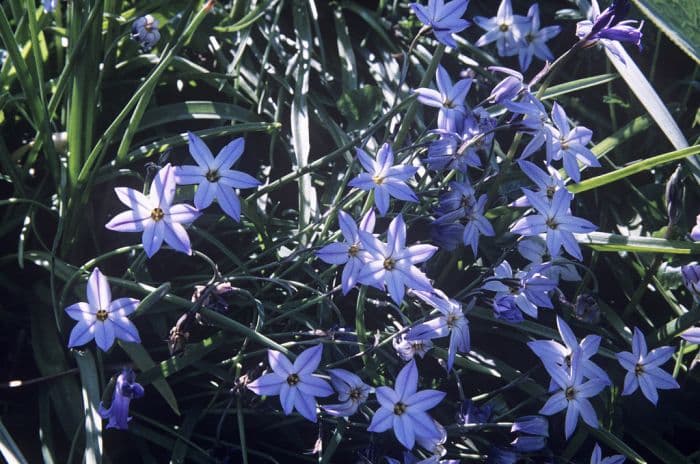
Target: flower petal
[[267, 385], [229, 155], [82, 332], [99, 294]]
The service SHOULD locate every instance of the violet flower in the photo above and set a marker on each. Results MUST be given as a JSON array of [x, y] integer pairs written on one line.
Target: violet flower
[[609, 26], [295, 383], [125, 390], [392, 264], [556, 221], [214, 177], [535, 121], [155, 215], [643, 368], [573, 395], [534, 249], [145, 31], [385, 179], [352, 392], [570, 144], [350, 252], [403, 408], [460, 149], [471, 414], [548, 182], [448, 98], [527, 290], [505, 29], [101, 318], [49, 5], [408, 349], [443, 18], [451, 322], [533, 41], [597, 457], [507, 89], [532, 431]]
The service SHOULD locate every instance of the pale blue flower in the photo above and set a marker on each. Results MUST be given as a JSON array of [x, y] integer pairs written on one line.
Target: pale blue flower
[[534, 249], [597, 457], [460, 149], [101, 318], [155, 215], [527, 290], [214, 177], [125, 390], [535, 121], [350, 252], [573, 395], [443, 18], [403, 408], [295, 384], [448, 98], [383, 178], [548, 182], [352, 392], [533, 39], [643, 368], [507, 89], [392, 264], [569, 144], [505, 29], [407, 349]]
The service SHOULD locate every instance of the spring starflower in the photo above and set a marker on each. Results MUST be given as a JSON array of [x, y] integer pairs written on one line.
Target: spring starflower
[[609, 26], [49, 5], [597, 457], [527, 290], [385, 179], [643, 368], [443, 18], [403, 408], [125, 390], [155, 215], [352, 392], [533, 41], [214, 177], [569, 144], [101, 318], [145, 32], [392, 264], [505, 29], [695, 232], [449, 99], [294, 383]]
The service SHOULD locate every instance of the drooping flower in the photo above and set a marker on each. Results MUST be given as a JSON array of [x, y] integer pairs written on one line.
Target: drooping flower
[[508, 88], [527, 290], [573, 395], [352, 392], [643, 368], [214, 177], [392, 264], [125, 390], [403, 408], [451, 322], [533, 40], [49, 5], [471, 414], [145, 32], [449, 99], [569, 144], [554, 353], [407, 349], [695, 232], [691, 278], [350, 252], [532, 431], [295, 383], [385, 179], [443, 18], [505, 29], [597, 457], [101, 318], [556, 221], [609, 26], [155, 215]]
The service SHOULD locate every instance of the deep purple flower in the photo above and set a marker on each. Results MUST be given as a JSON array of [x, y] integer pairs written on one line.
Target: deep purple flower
[[505, 29], [554, 353], [505, 308], [445, 19], [643, 368], [555, 220], [125, 390], [214, 177], [531, 425], [145, 32], [533, 40], [609, 26], [569, 144], [448, 98], [451, 322], [101, 318], [294, 383], [350, 252], [528, 291], [507, 89], [573, 395], [597, 457], [352, 392], [403, 408], [155, 215], [385, 179], [392, 264], [470, 413]]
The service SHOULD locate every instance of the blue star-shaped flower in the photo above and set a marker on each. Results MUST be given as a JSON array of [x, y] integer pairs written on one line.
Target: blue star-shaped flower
[[448, 98], [505, 29], [569, 144], [533, 41], [445, 19], [352, 392]]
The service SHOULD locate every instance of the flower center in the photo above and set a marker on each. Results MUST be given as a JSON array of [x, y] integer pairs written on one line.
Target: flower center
[[638, 369], [213, 176], [451, 320], [399, 408], [567, 360], [503, 27], [551, 223], [355, 394], [102, 315], [389, 264], [530, 38], [293, 379], [157, 214], [570, 393], [353, 250], [378, 180], [448, 103], [550, 191]]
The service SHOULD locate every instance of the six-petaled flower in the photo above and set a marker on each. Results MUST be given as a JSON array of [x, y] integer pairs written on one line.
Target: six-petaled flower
[[443, 18]]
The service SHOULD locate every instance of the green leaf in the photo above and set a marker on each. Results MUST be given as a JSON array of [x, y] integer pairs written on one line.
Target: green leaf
[[190, 110], [360, 106], [678, 19], [248, 19], [612, 242], [579, 84], [151, 300], [91, 400]]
